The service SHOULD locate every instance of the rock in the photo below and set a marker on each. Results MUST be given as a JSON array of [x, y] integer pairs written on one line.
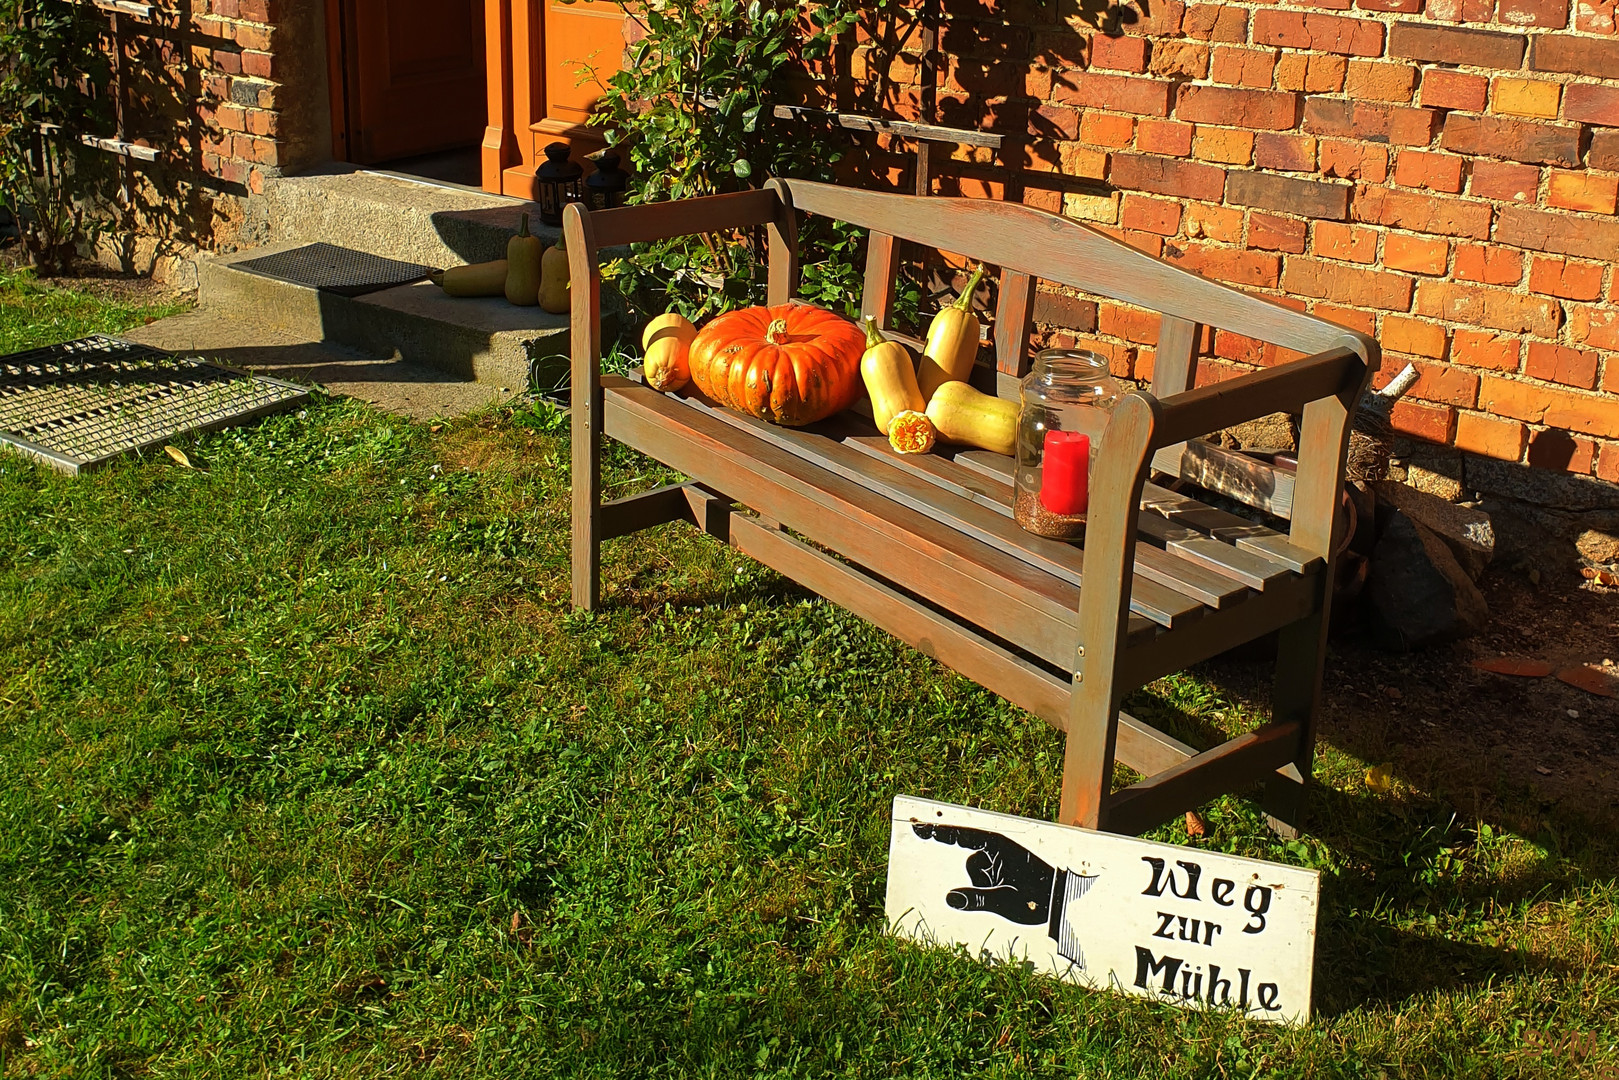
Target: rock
[[1466, 530], [1278, 431], [1418, 594], [1365, 538], [1541, 487], [1598, 546]]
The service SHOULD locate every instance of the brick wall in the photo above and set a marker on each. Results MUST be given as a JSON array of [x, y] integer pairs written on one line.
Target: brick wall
[[1444, 176], [240, 88]]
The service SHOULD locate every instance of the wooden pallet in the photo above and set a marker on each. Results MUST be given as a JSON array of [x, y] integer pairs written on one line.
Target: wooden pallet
[[926, 546]]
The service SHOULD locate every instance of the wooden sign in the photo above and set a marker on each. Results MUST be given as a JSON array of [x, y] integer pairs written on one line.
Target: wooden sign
[[1191, 927]]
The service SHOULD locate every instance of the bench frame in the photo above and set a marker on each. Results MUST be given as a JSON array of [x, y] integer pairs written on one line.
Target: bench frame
[[1148, 432]]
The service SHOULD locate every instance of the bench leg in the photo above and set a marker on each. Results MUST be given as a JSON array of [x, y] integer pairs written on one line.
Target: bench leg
[[1296, 696], [1087, 769], [587, 510]]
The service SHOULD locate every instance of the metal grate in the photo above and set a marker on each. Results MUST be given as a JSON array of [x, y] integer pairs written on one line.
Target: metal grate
[[78, 405], [339, 270]]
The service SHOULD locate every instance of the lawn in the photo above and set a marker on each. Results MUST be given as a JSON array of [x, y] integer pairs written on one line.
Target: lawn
[[309, 770]]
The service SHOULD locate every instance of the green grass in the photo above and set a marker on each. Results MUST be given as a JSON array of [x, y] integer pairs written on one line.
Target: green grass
[[309, 771], [34, 314]]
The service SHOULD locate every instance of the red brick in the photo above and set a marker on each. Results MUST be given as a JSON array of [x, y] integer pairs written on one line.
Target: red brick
[[1055, 121], [1363, 321], [1179, 60], [230, 117], [1486, 435], [1164, 137], [1586, 414], [1225, 146], [1347, 242], [264, 11], [1275, 233], [1123, 93], [1413, 127], [1555, 363], [1315, 73], [228, 62], [1575, 55], [1544, 14], [1106, 129], [1216, 22], [1267, 109], [1353, 160], [1320, 33], [1418, 254], [1594, 16], [1598, 326], [1222, 224], [1479, 305], [1243, 350], [1068, 312], [1505, 182], [1119, 53], [1403, 335], [1559, 234], [1438, 172], [1243, 67], [262, 122], [1570, 280], [253, 37], [1489, 264], [1467, 48], [1405, 7], [1378, 81], [1132, 324], [260, 65], [1346, 285], [1443, 89], [1445, 385], [1520, 140], [1150, 215], [1285, 153], [1481, 349], [1421, 213], [1167, 176], [1430, 423], [1583, 191], [1251, 268], [1291, 195]]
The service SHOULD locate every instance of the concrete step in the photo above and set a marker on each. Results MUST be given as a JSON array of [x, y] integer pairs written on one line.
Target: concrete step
[[482, 340], [243, 339], [421, 221]]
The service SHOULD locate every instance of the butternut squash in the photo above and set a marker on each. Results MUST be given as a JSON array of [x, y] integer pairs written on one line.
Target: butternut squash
[[554, 278], [964, 415], [911, 432], [665, 351], [952, 341], [523, 253], [890, 377], [473, 279]]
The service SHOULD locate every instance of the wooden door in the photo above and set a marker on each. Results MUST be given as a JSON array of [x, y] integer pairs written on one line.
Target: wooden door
[[412, 77]]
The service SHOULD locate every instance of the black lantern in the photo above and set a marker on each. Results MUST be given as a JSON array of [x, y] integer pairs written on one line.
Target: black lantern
[[556, 183], [605, 188]]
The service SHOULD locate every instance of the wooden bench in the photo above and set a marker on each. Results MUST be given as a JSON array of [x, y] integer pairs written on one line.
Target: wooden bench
[[926, 547]]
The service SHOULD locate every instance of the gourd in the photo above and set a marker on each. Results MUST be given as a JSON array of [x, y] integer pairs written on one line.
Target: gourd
[[890, 377], [665, 351], [952, 341], [473, 279], [964, 415], [790, 364], [523, 266], [911, 432], [554, 278]]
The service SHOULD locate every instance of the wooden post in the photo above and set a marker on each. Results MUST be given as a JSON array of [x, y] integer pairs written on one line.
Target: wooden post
[[585, 286], [499, 140]]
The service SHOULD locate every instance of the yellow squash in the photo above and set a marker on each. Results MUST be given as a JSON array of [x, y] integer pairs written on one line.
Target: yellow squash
[[523, 266], [665, 349], [952, 342], [964, 415], [474, 279], [890, 377], [554, 278]]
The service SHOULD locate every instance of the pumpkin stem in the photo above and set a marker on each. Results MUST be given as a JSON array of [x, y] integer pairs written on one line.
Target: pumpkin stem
[[964, 302], [776, 329], [522, 226], [874, 336]]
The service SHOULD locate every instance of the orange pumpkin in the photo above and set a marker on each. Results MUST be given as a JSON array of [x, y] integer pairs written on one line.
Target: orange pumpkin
[[789, 364]]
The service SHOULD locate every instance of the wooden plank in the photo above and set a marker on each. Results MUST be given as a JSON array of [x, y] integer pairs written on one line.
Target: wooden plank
[[783, 241], [585, 420], [1255, 571], [1067, 252], [1005, 596], [1013, 318], [1284, 388], [1228, 767], [1174, 365], [633, 513], [1165, 590], [1284, 603], [877, 293], [686, 217], [1229, 473], [903, 128], [1248, 535]]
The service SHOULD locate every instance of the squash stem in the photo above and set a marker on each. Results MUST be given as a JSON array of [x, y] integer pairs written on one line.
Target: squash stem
[[964, 302], [874, 336], [522, 226]]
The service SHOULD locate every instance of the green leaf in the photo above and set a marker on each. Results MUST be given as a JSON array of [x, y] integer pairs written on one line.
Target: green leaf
[[742, 168]]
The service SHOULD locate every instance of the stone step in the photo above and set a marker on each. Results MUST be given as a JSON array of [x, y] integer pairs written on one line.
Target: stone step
[[484, 340], [420, 221]]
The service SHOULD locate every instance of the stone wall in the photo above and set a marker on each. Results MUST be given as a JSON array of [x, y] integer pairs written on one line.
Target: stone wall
[[1444, 176]]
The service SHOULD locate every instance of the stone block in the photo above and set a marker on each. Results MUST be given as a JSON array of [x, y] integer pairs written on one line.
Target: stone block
[[1466, 530], [1418, 595]]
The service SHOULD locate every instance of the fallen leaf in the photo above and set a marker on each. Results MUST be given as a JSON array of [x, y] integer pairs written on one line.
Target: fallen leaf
[[1515, 665], [1591, 679], [436, 428], [179, 456], [1195, 825], [1542, 770], [1378, 778]]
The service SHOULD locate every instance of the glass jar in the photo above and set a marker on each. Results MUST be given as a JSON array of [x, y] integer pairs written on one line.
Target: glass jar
[[1067, 397]]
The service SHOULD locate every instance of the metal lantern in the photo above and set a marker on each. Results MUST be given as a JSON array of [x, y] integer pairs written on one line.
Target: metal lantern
[[605, 188], [556, 183]]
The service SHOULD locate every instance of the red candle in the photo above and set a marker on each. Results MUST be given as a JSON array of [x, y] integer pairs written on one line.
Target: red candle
[[1065, 481]]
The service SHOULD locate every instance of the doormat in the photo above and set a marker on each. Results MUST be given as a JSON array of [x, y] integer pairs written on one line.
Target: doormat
[[338, 270], [79, 405]]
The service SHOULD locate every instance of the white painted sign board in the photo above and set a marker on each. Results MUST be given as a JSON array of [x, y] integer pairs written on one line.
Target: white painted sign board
[[1191, 927]]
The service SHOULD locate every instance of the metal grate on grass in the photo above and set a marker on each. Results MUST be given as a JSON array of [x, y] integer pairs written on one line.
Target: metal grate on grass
[[80, 404], [340, 270]]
